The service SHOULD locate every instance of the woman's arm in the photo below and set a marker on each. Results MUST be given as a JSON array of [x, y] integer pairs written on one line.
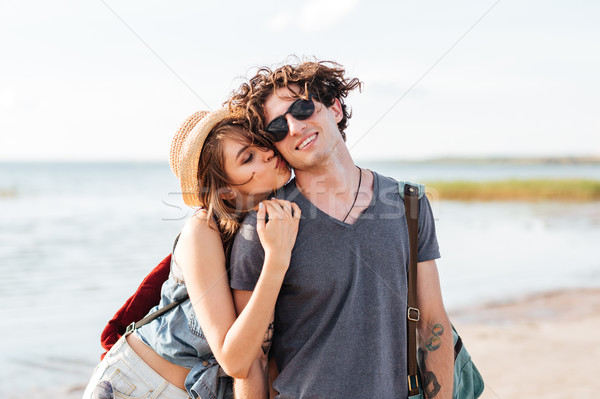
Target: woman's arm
[[255, 384], [262, 372], [236, 342]]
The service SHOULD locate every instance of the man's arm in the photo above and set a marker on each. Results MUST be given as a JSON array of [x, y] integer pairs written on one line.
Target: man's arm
[[273, 372], [436, 344], [255, 385]]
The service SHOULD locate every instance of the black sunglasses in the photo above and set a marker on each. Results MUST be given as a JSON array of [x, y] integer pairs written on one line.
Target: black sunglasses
[[300, 109]]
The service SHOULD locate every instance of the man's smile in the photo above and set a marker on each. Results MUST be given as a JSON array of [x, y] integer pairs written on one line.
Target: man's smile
[[306, 142]]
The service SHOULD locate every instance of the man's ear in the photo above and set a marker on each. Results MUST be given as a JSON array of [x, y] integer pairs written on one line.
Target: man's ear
[[336, 110], [227, 194]]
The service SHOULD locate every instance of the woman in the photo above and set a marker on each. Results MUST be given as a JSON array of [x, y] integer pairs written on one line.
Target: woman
[[226, 171]]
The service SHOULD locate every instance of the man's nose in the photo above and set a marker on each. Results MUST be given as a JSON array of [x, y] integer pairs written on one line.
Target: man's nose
[[295, 126]]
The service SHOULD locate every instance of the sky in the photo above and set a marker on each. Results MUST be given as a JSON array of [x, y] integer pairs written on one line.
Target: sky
[[103, 80]]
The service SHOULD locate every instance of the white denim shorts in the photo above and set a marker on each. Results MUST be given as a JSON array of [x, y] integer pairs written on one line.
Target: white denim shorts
[[129, 377]]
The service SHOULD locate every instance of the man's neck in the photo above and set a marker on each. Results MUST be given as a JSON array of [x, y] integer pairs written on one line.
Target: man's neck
[[334, 175], [332, 187]]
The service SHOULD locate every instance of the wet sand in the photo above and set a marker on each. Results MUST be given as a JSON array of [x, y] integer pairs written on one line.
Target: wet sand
[[544, 346]]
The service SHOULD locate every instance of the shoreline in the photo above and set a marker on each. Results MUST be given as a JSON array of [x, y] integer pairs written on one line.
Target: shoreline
[[540, 346], [536, 346]]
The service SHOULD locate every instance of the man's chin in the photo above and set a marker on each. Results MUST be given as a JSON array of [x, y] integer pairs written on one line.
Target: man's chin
[[311, 161]]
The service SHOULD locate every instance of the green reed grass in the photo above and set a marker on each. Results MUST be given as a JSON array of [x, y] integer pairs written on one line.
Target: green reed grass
[[517, 190]]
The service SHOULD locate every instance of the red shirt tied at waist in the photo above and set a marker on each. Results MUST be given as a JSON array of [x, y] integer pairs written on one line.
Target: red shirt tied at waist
[[137, 306]]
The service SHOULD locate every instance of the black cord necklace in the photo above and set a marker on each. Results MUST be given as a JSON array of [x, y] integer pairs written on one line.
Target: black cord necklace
[[356, 196]]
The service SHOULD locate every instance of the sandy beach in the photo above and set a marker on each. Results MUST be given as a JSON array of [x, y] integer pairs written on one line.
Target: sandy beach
[[542, 346]]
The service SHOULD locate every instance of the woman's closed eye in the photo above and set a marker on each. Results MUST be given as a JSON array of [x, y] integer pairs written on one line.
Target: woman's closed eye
[[249, 157]]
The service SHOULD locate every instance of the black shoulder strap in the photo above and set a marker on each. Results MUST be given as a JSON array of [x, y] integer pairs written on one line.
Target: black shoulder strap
[[176, 241], [411, 209], [135, 325]]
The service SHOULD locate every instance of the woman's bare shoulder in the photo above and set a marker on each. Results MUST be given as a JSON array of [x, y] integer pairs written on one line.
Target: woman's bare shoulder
[[200, 225], [199, 244], [200, 231]]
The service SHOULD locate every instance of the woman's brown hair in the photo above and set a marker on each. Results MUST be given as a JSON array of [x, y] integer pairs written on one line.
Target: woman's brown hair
[[213, 180]]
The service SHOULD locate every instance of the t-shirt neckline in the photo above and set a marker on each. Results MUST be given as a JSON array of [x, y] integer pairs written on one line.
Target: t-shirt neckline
[[325, 215]]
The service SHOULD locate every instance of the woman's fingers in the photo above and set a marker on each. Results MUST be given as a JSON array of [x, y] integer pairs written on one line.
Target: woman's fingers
[[261, 216], [274, 210], [285, 205], [296, 212], [277, 226]]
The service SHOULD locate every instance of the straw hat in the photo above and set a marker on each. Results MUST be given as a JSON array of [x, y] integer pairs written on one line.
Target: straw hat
[[186, 148]]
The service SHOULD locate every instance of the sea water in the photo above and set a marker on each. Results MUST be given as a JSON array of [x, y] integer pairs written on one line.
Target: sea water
[[77, 239]]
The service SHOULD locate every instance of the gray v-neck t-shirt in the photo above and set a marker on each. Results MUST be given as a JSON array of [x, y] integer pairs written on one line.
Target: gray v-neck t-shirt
[[340, 319]]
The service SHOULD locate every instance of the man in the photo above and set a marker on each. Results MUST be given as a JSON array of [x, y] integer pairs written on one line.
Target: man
[[340, 320]]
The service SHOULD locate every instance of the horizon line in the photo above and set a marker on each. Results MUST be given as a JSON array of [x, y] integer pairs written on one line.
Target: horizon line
[[545, 159]]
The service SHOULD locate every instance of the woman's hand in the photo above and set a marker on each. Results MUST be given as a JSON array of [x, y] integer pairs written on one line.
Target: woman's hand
[[277, 227]]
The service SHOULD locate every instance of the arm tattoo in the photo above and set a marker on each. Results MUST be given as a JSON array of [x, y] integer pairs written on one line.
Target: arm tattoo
[[266, 345], [437, 330], [435, 341], [430, 382]]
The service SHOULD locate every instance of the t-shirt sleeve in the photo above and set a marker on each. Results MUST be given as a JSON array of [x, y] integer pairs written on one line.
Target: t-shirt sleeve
[[247, 256], [428, 245]]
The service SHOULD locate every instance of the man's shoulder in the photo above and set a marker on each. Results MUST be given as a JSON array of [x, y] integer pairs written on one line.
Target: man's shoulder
[[245, 259], [385, 184], [247, 230], [384, 179]]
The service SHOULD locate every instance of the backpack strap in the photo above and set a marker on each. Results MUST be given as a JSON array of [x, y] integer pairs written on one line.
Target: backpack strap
[[402, 188], [411, 194], [176, 241]]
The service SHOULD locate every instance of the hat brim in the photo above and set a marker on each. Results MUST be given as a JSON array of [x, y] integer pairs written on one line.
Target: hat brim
[[189, 155]]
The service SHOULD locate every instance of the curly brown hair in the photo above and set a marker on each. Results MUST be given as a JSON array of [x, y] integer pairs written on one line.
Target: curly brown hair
[[325, 80]]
